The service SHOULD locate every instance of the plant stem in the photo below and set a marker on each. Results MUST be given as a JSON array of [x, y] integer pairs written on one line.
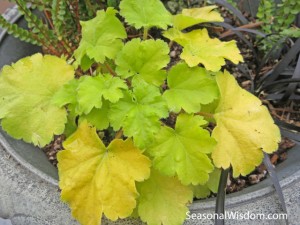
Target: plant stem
[[48, 40], [119, 134], [75, 14], [62, 41], [111, 71], [205, 114], [145, 34]]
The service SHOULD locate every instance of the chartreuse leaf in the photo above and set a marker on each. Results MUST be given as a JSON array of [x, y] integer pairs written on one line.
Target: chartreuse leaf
[[163, 200], [189, 88], [144, 59], [213, 181], [67, 94], [193, 16], [98, 117], [101, 38], [139, 113], [200, 191], [244, 128], [98, 180], [212, 185], [150, 13], [25, 98], [183, 151], [198, 47], [92, 91]]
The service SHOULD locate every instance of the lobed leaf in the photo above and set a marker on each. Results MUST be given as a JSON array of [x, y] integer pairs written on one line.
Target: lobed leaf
[[163, 200], [27, 88], [92, 91], [101, 38], [200, 191], [212, 185], [92, 87], [67, 94], [193, 16], [98, 180], [147, 14], [139, 113], [98, 117], [198, 47], [244, 128], [144, 59], [183, 151], [189, 88]]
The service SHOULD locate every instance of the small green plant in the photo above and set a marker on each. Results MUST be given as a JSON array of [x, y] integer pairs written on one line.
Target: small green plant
[[151, 135], [277, 21], [58, 30]]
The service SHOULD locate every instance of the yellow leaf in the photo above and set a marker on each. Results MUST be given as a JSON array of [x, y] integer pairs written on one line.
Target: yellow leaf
[[193, 16], [96, 179], [198, 47], [244, 128]]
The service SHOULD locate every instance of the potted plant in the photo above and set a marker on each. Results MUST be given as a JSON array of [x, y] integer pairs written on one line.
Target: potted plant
[[140, 131]]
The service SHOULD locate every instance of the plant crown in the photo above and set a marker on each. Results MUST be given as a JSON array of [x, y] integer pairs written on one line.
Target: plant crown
[[166, 130]]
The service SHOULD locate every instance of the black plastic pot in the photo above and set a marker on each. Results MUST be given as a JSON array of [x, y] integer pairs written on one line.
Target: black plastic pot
[[31, 181]]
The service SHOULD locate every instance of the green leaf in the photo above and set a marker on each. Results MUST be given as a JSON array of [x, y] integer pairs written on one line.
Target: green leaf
[[85, 62], [101, 38], [198, 47], [212, 185], [291, 32], [139, 113], [189, 88], [92, 91], [113, 3], [163, 200], [71, 125], [193, 16], [67, 94], [200, 191], [213, 181], [27, 88], [244, 128], [150, 13], [144, 59], [183, 151], [97, 180], [98, 117]]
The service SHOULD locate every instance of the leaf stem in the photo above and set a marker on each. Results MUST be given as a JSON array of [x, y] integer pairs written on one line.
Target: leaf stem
[[205, 114], [62, 41], [119, 134], [111, 71], [145, 34]]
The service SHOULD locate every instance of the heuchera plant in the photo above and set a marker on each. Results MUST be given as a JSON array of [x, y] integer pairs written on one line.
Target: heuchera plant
[[143, 146]]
